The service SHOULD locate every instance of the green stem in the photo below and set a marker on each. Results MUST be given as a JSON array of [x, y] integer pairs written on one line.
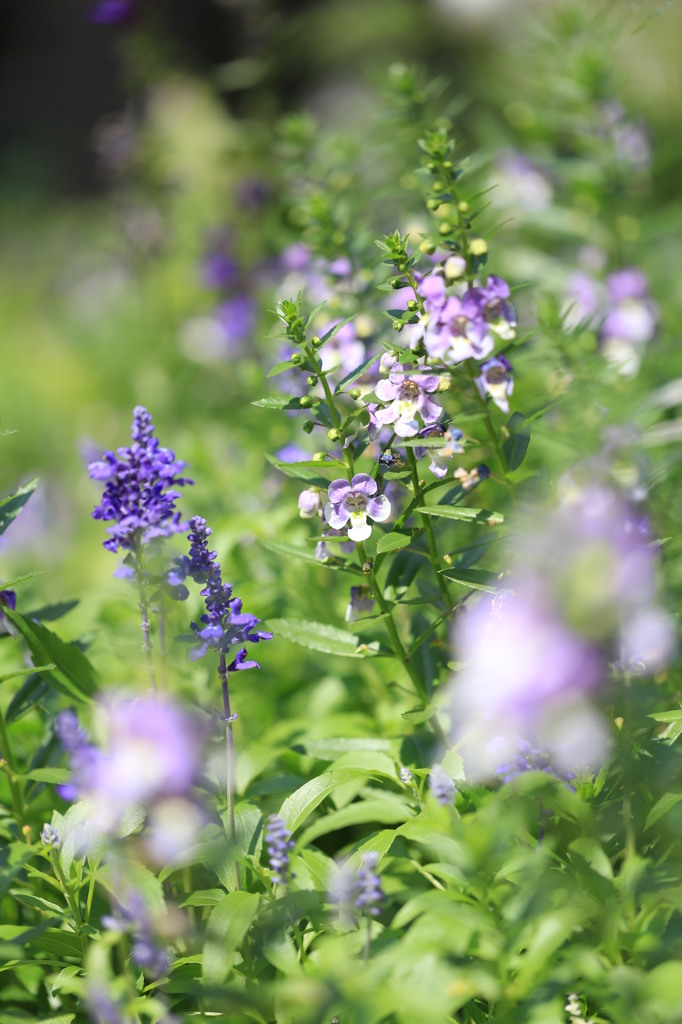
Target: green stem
[[628, 817], [91, 888], [229, 740], [145, 623], [492, 433], [428, 527], [11, 772], [71, 900]]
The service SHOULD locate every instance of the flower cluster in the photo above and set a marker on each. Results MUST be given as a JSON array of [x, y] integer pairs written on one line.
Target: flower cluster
[[224, 624], [279, 842], [460, 328], [139, 488], [369, 894], [150, 755], [131, 915]]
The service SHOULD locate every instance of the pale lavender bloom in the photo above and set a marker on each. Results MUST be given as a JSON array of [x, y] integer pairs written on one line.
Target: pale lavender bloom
[[497, 381], [361, 603], [354, 502], [648, 641], [440, 457], [406, 775], [131, 915], [292, 453], [344, 351], [492, 304], [583, 300], [102, 1008], [521, 182], [408, 396], [310, 503], [236, 317], [49, 836], [441, 785], [458, 331], [630, 322]]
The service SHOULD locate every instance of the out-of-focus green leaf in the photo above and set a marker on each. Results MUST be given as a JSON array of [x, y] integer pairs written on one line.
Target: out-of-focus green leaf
[[73, 675], [228, 923], [318, 636], [11, 506], [474, 515]]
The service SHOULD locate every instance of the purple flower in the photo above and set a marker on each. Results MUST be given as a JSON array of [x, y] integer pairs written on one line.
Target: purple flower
[[49, 836], [112, 12], [441, 785], [458, 331], [361, 603], [279, 842], [139, 482], [224, 624], [492, 305], [236, 317], [515, 756], [440, 457], [8, 599], [369, 894], [354, 502], [409, 396], [522, 183], [309, 503], [131, 915], [496, 380], [630, 322]]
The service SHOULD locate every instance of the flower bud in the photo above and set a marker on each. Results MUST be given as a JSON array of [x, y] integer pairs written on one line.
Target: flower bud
[[355, 393], [333, 434], [308, 426], [432, 204], [447, 165], [305, 402], [319, 456], [396, 282], [427, 247], [367, 567], [445, 228], [397, 325], [49, 835], [297, 358], [438, 186], [412, 304], [311, 381], [463, 206], [478, 247], [316, 342]]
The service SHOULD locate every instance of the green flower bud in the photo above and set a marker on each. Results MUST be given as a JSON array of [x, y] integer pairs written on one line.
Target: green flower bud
[[319, 457], [311, 381], [308, 426], [432, 204], [297, 359], [355, 393], [305, 402], [396, 282], [445, 228], [333, 434], [438, 186], [427, 247], [412, 304], [397, 325]]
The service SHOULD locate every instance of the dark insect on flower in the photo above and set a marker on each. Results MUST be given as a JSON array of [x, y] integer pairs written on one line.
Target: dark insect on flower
[[391, 460]]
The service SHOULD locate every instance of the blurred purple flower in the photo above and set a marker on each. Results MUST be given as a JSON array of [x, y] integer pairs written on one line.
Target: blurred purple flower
[[278, 842], [440, 457], [360, 604], [441, 785], [497, 381], [369, 894]]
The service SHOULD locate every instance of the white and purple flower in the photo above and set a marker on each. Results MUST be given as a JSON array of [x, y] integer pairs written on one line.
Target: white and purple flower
[[440, 457], [408, 396], [493, 306], [354, 503], [458, 331], [497, 381]]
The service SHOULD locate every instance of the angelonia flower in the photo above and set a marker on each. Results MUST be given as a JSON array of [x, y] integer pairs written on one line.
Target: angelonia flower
[[468, 479], [224, 624], [492, 302], [279, 842], [355, 502], [369, 894], [497, 381], [457, 331], [49, 836], [630, 322], [408, 395], [440, 457], [139, 489], [406, 775], [150, 753], [310, 503], [441, 785], [361, 603], [520, 182]]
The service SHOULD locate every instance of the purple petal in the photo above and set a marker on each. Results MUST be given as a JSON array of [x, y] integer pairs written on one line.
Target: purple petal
[[386, 391], [336, 515], [379, 508], [338, 490], [364, 483]]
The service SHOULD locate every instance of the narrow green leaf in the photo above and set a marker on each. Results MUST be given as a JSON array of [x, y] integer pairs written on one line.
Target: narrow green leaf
[[74, 674], [661, 807], [302, 554], [516, 445], [280, 368], [26, 672], [476, 579], [53, 776], [350, 378], [318, 636], [278, 402], [392, 542], [11, 506], [228, 923], [383, 812], [418, 714], [22, 579], [474, 515]]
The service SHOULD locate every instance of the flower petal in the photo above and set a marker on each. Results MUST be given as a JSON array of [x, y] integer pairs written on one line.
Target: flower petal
[[364, 483], [378, 509], [338, 489], [336, 515]]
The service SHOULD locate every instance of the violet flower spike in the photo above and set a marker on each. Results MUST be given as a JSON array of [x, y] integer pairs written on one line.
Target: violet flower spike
[[354, 502], [408, 396], [279, 842], [369, 894]]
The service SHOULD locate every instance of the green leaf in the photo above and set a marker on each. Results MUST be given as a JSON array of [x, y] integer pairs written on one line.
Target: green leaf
[[11, 506], [22, 579], [53, 776], [278, 402], [248, 839], [318, 636], [228, 923], [204, 898], [474, 515], [661, 807], [418, 714], [673, 720], [303, 554], [516, 445], [303, 802], [476, 579], [309, 471], [280, 368], [423, 442], [383, 812], [328, 749], [30, 693], [328, 335], [350, 378], [392, 542], [74, 675], [26, 672]]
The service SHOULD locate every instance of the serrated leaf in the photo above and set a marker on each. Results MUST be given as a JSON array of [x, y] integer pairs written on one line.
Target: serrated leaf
[[74, 674], [474, 515], [392, 542], [11, 506], [476, 579], [228, 923], [318, 636], [297, 807]]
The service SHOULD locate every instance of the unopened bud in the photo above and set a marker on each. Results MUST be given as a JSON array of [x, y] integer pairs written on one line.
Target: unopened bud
[[316, 342], [478, 247], [463, 206], [311, 381], [427, 247], [49, 835], [445, 228], [438, 186], [397, 325], [297, 358], [396, 282], [305, 402], [447, 165], [432, 204], [355, 393], [367, 567], [412, 304], [319, 456], [333, 434]]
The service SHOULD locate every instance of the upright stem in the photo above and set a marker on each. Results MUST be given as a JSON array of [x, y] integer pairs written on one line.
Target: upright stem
[[628, 818], [492, 433], [144, 615], [11, 772], [229, 739], [428, 528]]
